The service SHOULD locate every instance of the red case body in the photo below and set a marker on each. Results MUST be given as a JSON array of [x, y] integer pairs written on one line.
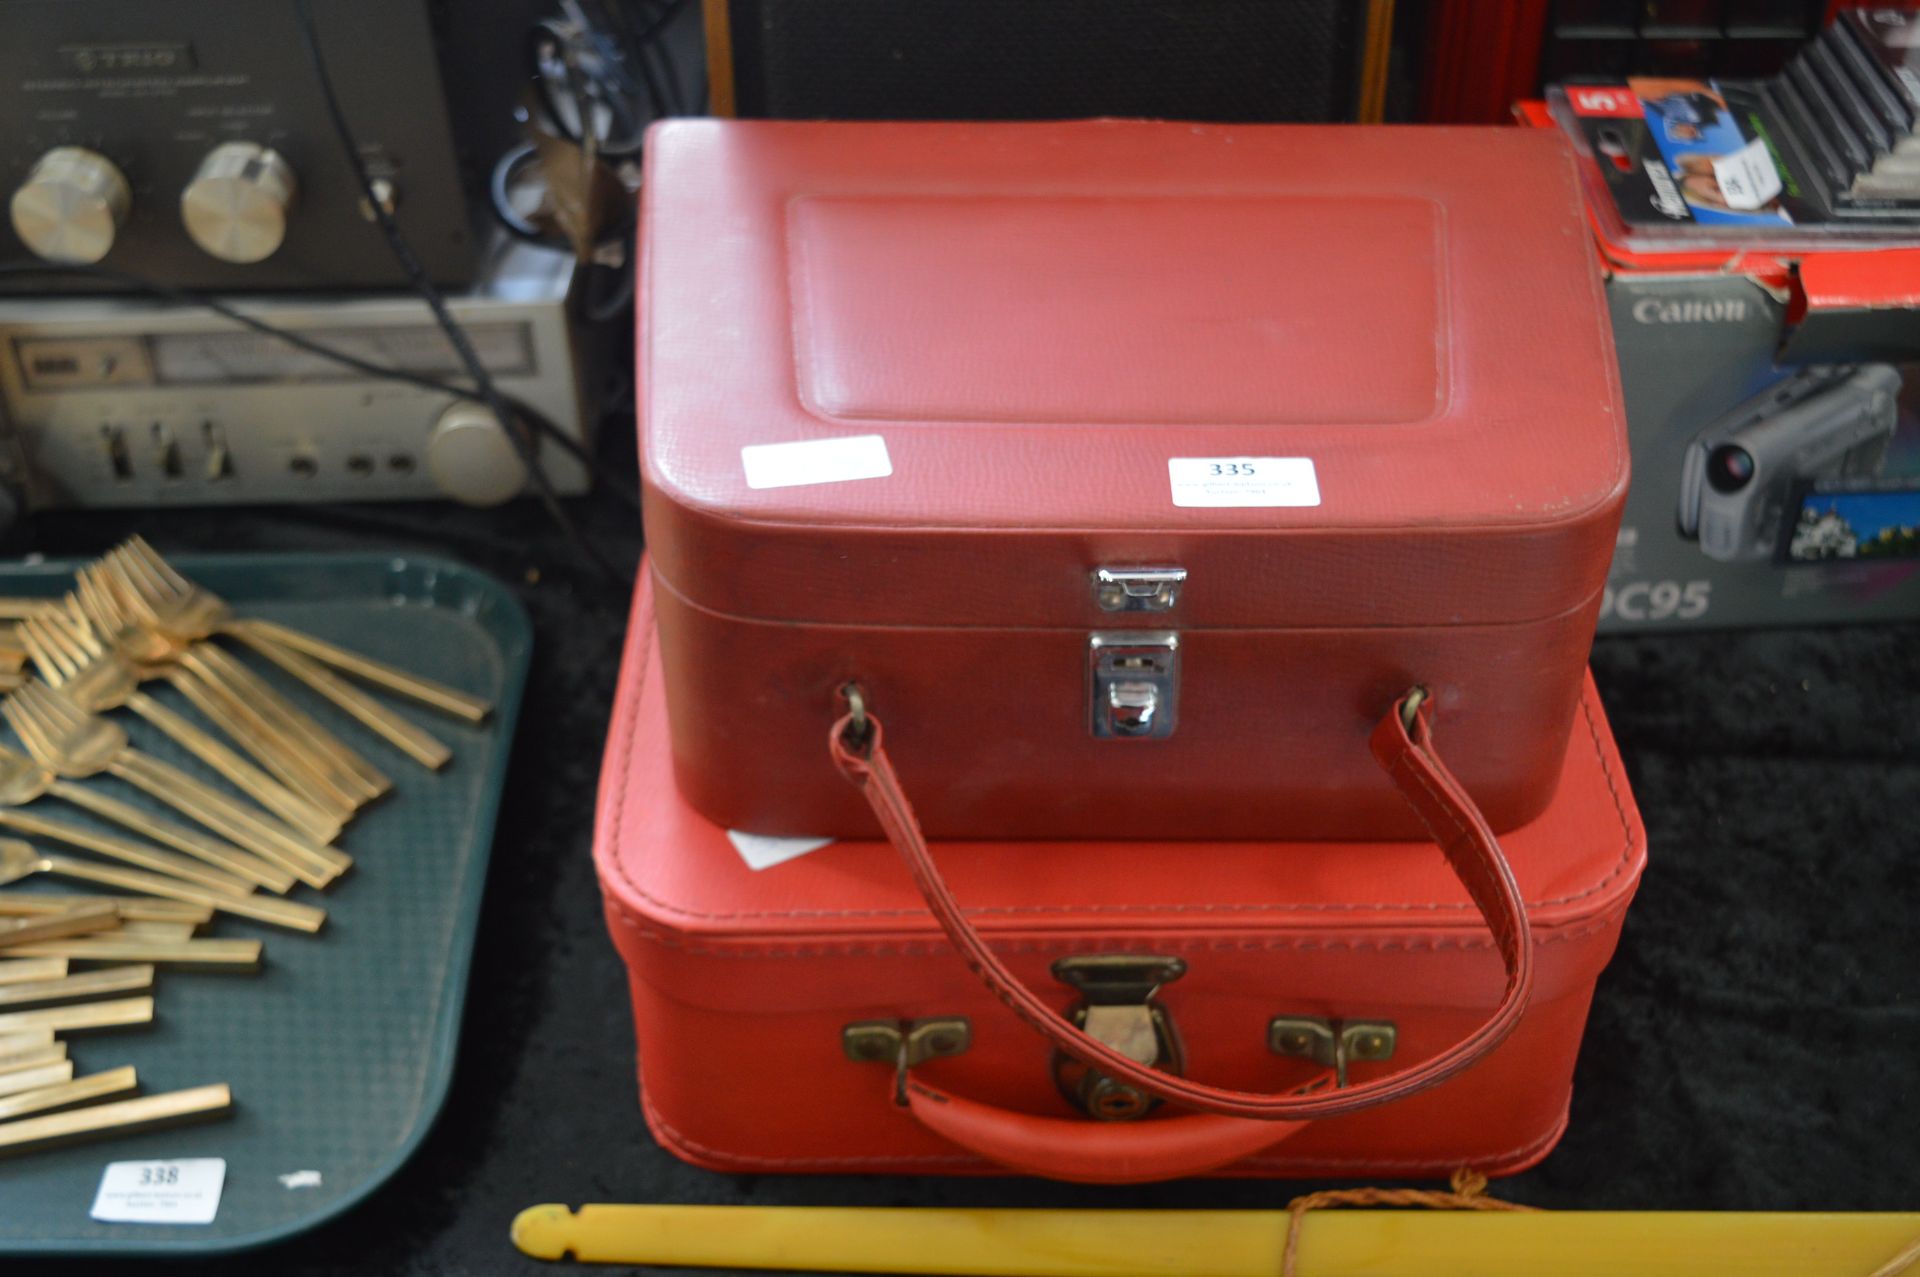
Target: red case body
[[1034, 320], [742, 981]]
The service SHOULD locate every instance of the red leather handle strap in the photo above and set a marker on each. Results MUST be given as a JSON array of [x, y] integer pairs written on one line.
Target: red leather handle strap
[[1094, 1152], [1403, 745]]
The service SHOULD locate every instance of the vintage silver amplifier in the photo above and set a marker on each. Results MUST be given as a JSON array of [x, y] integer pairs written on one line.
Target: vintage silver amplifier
[[129, 402]]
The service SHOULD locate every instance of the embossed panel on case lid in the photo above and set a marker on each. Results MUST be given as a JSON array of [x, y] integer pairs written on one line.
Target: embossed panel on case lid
[[1034, 320]]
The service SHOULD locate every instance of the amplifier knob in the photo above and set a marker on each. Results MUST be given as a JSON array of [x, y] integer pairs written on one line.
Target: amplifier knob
[[471, 459], [71, 206], [237, 204]]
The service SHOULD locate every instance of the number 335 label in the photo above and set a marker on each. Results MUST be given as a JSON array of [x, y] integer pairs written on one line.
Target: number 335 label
[[1243, 481], [186, 1191]]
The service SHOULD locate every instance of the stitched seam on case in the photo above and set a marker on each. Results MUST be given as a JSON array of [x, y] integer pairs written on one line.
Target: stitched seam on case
[[680, 1138], [940, 946], [664, 583], [641, 652]]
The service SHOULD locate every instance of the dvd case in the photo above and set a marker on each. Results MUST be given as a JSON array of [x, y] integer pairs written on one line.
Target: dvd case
[[1824, 155]]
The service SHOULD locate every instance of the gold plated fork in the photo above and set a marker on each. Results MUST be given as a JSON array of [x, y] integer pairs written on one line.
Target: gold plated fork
[[19, 859], [247, 694], [177, 606], [95, 680], [199, 611], [98, 633], [76, 744], [337, 769], [69, 655], [216, 865]]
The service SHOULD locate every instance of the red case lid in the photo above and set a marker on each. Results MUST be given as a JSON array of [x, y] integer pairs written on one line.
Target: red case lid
[[1035, 318]]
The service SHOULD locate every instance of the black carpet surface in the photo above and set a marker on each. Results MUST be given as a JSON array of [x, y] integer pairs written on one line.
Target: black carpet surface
[[1755, 1044]]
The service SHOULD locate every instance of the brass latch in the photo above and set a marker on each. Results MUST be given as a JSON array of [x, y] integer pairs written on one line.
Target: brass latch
[[880, 1041], [1334, 1043], [905, 1043], [1117, 1008]]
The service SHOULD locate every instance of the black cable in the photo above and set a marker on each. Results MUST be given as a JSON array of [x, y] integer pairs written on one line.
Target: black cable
[[669, 75], [206, 301], [659, 24], [403, 252], [599, 306]]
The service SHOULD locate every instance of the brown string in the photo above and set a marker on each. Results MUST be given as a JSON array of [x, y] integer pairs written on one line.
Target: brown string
[[1469, 1193]]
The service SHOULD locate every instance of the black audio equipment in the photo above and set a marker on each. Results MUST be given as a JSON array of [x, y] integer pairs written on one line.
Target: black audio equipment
[[1037, 59], [187, 142]]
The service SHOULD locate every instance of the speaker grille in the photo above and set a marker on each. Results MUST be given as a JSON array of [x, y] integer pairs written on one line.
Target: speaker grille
[[1230, 60]]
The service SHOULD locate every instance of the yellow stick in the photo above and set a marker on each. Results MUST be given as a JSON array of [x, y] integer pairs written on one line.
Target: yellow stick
[[1184, 1243]]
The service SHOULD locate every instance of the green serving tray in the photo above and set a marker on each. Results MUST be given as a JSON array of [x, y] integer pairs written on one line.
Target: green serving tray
[[340, 1050]]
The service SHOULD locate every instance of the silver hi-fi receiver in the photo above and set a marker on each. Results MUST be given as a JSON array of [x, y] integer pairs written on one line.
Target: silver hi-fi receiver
[[122, 402]]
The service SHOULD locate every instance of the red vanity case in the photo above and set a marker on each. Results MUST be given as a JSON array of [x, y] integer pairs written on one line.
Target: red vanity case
[[1133, 470], [811, 1016]]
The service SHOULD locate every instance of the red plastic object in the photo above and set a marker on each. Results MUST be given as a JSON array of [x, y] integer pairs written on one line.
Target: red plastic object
[[1888, 279], [742, 981], [1034, 321]]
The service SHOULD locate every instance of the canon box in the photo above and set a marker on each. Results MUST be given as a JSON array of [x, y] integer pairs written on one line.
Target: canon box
[[1775, 427]]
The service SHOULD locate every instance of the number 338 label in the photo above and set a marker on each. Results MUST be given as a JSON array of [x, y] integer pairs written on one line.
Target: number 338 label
[[186, 1191], [1243, 481]]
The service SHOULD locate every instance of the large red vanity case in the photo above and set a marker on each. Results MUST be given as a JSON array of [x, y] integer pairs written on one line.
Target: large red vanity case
[[1131, 469], [810, 1016]]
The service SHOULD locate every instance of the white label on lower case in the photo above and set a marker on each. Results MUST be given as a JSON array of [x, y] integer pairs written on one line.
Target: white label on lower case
[[793, 465], [1243, 481], [182, 1192], [761, 851], [1747, 178]]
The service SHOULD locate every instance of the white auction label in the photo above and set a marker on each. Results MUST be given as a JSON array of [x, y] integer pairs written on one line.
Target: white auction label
[[793, 465], [763, 851], [1243, 481], [182, 1192], [1747, 178]]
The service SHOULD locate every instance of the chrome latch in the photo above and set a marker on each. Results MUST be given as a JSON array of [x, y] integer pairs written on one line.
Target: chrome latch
[[1117, 1008], [1333, 1043], [1133, 683], [1137, 589]]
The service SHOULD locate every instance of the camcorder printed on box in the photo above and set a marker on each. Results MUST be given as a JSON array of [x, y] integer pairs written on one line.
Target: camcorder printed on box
[[1773, 484], [1745, 468]]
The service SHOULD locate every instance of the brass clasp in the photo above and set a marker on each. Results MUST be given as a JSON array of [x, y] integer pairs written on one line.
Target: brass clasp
[[1333, 1043], [905, 1044], [1117, 1008]]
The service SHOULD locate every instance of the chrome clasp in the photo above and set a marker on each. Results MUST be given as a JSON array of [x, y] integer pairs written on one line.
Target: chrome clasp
[[1133, 683], [1137, 589]]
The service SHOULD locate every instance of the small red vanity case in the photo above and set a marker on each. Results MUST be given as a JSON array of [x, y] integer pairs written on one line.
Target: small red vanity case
[[1131, 470], [815, 1016]]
